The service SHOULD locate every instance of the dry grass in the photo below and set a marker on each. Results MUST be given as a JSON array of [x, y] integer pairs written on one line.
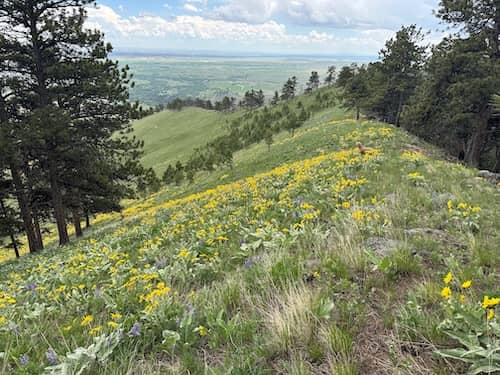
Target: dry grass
[[289, 320]]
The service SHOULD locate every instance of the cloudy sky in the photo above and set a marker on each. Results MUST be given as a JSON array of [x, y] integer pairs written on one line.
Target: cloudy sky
[[329, 27]]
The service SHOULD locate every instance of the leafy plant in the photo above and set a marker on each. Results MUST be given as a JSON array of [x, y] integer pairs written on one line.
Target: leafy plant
[[473, 325]]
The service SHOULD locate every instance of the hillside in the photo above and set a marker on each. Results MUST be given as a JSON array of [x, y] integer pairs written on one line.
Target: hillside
[[309, 258], [172, 135]]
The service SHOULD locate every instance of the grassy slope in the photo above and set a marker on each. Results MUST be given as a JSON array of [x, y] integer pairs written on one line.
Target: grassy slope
[[272, 319], [170, 135]]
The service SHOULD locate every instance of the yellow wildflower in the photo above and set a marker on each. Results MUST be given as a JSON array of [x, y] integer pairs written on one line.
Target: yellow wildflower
[[184, 253], [462, 298], [112, 324], [490, 302], [116, 316], [95, 330], [490, 314], [450, 205], [358, 215], [87, 320], [202, 331], [3, 320], [466, 284], [67, 328], [346, 205], [446, 292], [447, 279]]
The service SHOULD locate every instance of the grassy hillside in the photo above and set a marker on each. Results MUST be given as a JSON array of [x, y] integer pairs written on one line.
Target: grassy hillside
[[172, 135], [307, 259]]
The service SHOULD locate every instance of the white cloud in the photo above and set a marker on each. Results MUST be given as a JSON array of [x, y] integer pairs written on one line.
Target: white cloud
[[333, 13], [270, 35], [190, 8]]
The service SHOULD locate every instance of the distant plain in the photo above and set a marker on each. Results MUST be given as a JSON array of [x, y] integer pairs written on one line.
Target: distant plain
[[159, 79]]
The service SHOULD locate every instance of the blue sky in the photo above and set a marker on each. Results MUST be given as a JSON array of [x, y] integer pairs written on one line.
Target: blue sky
[[326, 27]]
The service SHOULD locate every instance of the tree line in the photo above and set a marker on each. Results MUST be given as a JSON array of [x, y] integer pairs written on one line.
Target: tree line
[[443, 93], [66, 149], [260, 123]]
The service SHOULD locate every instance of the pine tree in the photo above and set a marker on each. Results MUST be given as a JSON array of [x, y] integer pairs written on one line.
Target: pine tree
[[276, 98], [330, 76], [268, 138], [313, 83], [289, 88], [74, 99]]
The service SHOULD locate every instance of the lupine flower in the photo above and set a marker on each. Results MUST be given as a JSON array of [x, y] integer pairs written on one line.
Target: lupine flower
[[135, 330], [51, 357], [24, 359]]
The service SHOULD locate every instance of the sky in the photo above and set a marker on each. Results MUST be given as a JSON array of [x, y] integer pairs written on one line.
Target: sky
[[298, 27]]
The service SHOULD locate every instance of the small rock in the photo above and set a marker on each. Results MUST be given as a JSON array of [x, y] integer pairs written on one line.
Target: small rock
[[436, 234], [488, 175], [383, 246], [441, 199], [391, 197], [313, 263]]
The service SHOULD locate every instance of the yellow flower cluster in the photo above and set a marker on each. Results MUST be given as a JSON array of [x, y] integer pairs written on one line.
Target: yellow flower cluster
[[462, 209], [488, 303]]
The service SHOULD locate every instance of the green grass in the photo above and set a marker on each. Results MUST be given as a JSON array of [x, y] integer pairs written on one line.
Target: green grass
[[257, 290], [172, 135]]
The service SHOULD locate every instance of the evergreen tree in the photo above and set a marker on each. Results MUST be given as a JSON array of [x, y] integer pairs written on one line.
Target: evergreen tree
[[169, 175], [276, 98], [313, 83], [452, 106], [402, 60], [73, 98], [330, 76], [268, 138], [345, 75], [289, 88]]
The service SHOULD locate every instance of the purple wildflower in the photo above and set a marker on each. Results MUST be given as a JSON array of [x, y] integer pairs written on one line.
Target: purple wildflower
[[136, 329], [51, 357], [15, 328], [248, 263], [24, 359], [30, 287]]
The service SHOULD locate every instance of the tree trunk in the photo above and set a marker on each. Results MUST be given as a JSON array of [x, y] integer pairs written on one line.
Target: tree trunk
[[57, 202], [478, 140], [497, 32], [24, 207], [400, 107], [357, 113], [76, 222], [87, 220], [38, 232], [11, 232], [14, 245]]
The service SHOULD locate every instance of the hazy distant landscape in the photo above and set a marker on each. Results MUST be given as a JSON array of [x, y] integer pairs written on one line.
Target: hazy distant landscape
[[159, 79]]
